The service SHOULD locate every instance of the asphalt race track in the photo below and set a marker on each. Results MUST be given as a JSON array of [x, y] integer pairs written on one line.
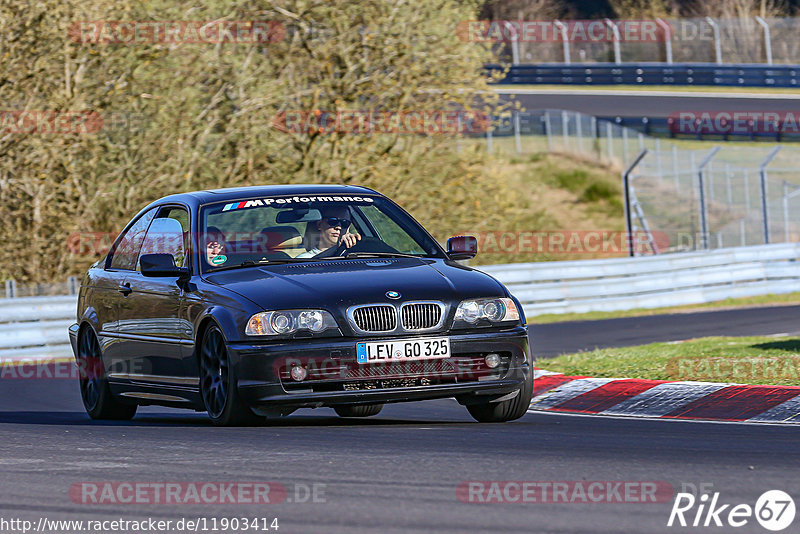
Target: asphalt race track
[[645, 103], [552, 339], [397, 472]]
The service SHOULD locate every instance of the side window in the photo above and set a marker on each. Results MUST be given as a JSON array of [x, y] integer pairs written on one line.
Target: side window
[[182, 216], [390, 232], [168, 234], [127, 251]]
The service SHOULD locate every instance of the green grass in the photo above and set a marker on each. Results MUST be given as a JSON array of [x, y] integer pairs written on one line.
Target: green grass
[[761, 300], [670, 88], [747, 360]]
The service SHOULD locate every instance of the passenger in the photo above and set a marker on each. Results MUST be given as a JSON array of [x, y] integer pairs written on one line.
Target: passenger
[[325, 234]]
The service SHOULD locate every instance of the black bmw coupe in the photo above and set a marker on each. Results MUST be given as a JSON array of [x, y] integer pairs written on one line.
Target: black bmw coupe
[[253, 302]]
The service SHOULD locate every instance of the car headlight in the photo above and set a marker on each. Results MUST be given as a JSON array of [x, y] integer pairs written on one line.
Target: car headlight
[[496, 310], [283, 322]]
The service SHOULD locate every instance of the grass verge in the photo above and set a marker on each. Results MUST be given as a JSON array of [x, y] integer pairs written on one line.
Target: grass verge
[[745, 360], [744, 302]]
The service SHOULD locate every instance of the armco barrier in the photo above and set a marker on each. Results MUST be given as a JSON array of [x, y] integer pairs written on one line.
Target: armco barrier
[[36, 327], [653, 281], [744, 75]]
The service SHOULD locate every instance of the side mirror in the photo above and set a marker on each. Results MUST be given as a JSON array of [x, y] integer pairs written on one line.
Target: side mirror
[[158, 265], [462, 247]]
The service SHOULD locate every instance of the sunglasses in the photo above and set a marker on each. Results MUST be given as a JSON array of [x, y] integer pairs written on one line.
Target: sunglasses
[[333, 222]]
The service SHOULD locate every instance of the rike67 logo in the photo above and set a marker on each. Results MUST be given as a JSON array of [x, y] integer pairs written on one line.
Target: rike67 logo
[[774, 510]]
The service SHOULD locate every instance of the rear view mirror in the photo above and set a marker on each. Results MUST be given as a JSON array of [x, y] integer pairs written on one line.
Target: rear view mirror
[[463, 247], [154, 265]]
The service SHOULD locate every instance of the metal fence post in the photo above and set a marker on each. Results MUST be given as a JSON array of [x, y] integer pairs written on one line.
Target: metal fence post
[[615, 40], [728, 184], [624, 143], [717, 45], [762, 172], [785, 211], [710, 181], [517, 139], [514, 43], [746, 190], [547, 129], [565, 129], [767, 39], [742, 229], [626, 189], [72, 285], [595, 136], [11, 288], [667, 39], [579, 132], [675, 167], [609, 140], [562, 29], [658, 160], [702, 199]]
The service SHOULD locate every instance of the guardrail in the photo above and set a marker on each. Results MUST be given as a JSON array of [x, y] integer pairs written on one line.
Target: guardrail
[[744, 75], [653, 281], [36, 327]]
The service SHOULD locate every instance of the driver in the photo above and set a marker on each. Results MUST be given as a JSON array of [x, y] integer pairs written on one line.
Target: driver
[[215, 243], [326, 233]]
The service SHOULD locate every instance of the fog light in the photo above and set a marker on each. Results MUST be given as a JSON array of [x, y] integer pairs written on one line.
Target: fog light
[[492, 360], [298, 373]]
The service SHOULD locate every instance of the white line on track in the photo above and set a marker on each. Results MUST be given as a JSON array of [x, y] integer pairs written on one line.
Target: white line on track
[[664, 419]]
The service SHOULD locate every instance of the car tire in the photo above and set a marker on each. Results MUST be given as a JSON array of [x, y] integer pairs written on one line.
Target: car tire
[[218, 387], [500, 412], [97, 398], [365, 410]]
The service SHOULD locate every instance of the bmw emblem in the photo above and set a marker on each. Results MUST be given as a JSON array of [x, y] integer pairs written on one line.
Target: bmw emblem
[[393, 294]]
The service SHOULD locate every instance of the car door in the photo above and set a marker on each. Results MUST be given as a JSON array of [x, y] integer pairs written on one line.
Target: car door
[[151, 324], [108, 290]]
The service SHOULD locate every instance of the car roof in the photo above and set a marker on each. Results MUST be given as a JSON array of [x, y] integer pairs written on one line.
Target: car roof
[[259, 191]]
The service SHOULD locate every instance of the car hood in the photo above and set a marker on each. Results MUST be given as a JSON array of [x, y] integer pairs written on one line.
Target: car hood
[[338, 284]]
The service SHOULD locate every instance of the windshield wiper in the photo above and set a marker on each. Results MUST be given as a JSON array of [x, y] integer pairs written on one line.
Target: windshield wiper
[[373, 255], [253, 263]]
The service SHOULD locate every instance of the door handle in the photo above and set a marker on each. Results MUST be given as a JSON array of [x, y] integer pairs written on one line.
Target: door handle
[[125, 289]]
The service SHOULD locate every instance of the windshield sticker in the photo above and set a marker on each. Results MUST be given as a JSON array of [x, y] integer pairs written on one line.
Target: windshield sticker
[[288, 201], [219, 260]]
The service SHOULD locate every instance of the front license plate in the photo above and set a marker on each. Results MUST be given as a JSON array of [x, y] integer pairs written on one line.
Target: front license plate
[[401, 350]]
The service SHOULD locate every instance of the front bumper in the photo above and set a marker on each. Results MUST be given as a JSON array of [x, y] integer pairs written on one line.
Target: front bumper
[[336, 379]]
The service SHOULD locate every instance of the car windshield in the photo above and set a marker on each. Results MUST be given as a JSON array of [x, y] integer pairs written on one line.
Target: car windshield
[[284, 229]]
